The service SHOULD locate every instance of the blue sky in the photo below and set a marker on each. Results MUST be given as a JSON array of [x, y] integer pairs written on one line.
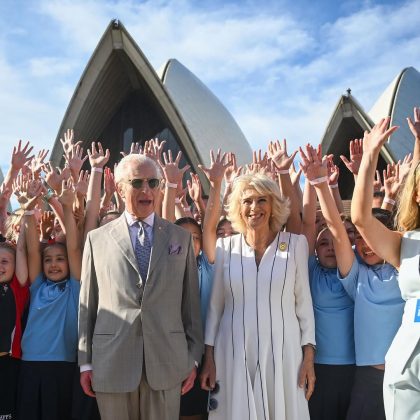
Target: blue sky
[[278, 66]]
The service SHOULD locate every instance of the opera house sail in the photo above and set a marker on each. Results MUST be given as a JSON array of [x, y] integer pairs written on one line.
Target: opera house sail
[[120, 99], [349, 121]]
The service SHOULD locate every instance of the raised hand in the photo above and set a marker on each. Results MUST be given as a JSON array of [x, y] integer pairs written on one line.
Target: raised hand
[[405, 166], [68, 142], [295, 176], [172, 173], [260, 160], [109, 182], [415, 126], [30, 191], [37, 162], [194, 187], [392, 180], [153, 149], [47, 224], [313, 166], [81, 187], [97, 157], [67, 195], [333, 171], [20, 155], [75, 160], [216, 171], [52, 177], [232, 171], [135, 149], [377, 183], [279, 156], [356, 154], [374, 140]]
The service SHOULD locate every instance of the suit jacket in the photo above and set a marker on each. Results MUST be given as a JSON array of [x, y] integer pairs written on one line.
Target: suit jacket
[[116, 332]]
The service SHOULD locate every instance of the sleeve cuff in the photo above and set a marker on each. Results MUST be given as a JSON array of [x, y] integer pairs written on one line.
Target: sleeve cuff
[[84, 368]]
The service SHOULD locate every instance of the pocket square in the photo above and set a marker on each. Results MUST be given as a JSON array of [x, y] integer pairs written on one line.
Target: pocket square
[[175, 249]]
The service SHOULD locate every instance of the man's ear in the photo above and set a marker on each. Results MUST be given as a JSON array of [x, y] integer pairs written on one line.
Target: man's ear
[[120, 189]]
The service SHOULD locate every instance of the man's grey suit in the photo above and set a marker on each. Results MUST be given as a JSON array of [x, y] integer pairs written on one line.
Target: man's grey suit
[[115, 332]]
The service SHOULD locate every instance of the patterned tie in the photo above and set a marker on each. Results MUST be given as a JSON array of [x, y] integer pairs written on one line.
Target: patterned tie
[[142, 250]]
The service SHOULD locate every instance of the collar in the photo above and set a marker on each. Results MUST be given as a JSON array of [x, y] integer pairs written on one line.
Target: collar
[[131, 220]]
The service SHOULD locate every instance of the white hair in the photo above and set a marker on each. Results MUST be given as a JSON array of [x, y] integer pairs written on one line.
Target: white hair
[[133, 159]]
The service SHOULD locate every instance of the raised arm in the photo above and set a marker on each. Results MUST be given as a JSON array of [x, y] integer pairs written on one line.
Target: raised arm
[[381, 240], [215, 174], [173, 176], [74, 253], [356, 153], [333, 175], [30, 191], [315, 170], [283, 161], [97, 160], [415, 129], [309, 216], [21, 265], [20, 156]]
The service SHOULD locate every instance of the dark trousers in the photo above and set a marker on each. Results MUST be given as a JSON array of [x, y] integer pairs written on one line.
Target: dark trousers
[[331, 397], [367, 401], [9, 374], [45, 390]]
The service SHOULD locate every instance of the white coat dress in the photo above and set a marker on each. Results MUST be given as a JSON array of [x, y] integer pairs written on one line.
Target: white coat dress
[[258, 320]]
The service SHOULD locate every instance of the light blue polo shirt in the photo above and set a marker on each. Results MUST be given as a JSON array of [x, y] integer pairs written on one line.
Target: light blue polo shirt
[[51, 331], [205, 282], [378, 309], [334, 314]]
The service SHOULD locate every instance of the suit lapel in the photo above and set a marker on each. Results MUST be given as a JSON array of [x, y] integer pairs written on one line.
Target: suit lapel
[[160, 242], [121, 236]]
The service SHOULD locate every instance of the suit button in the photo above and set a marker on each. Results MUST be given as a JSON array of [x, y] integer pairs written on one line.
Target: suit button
[[139, 285]]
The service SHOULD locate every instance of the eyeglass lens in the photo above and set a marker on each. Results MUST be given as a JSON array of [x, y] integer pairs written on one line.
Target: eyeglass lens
[[138, 183]]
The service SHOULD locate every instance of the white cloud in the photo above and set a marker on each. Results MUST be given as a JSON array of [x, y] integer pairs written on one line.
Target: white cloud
[[50, 66]]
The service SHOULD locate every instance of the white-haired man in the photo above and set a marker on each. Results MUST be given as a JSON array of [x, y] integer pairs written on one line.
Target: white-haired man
[[139, 318]]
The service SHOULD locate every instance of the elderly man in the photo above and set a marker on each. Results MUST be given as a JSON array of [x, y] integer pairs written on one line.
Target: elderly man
[[139, 319]]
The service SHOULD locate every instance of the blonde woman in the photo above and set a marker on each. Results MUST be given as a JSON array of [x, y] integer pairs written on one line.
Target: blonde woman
[[260, 332], [401, 249]]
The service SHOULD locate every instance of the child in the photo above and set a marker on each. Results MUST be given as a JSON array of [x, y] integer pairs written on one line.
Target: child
[[333, 308], [49, 344], [14, 294]]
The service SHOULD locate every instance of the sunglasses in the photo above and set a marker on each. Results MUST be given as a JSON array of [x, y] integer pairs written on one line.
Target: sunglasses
[[139, 183], [212, 403]]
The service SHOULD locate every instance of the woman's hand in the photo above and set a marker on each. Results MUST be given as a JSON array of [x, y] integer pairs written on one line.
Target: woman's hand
[[307, 371], [279, 156], [208, 373]]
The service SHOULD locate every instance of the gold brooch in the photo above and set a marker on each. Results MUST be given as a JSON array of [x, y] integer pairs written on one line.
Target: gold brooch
[[282, 246]]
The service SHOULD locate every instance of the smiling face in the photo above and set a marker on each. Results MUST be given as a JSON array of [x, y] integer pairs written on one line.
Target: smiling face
[[55, 263], [255, 209], [365, 253], [7, 265], [140, 202], [325, 249]]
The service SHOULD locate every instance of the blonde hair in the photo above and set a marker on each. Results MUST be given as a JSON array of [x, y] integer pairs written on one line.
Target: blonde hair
[[408, 215], [263, 185]]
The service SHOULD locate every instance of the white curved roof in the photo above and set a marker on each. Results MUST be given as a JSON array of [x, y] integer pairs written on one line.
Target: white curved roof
[[210, 124], [398, 101]]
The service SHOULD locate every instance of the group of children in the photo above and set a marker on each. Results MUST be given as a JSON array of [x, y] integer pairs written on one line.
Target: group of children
[[357, 301]]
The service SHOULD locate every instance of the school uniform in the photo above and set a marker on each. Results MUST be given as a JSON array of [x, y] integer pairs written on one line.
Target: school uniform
[[334, 335], [378, 309]]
